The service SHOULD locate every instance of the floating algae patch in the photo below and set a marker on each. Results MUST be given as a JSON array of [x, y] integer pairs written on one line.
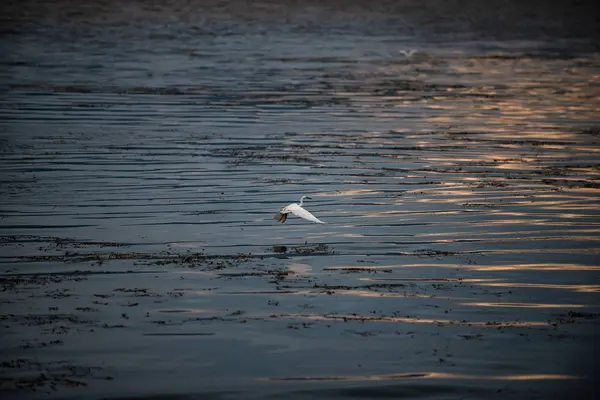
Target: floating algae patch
[[27, 374], [279, 249], [320, 248], [199, 260]]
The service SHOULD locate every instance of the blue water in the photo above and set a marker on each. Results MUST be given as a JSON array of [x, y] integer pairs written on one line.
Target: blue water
[[452, 150]]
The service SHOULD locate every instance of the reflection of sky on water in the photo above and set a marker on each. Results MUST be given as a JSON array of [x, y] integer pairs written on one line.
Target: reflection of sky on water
[[459, 183]]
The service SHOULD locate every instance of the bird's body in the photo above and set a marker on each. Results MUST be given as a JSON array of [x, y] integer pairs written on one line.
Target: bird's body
[[298, 211], [408, 53]]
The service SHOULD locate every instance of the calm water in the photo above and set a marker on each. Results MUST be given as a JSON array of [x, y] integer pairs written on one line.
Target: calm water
[[452, 150]]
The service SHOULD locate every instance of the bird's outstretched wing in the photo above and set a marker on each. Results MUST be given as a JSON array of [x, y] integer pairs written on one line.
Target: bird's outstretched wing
[[281, 217], [302, 213]]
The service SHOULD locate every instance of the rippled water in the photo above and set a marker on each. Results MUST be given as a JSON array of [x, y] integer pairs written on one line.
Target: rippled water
[[147, 146]]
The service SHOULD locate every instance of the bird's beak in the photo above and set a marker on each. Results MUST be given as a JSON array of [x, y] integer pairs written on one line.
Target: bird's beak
[[310, 198]]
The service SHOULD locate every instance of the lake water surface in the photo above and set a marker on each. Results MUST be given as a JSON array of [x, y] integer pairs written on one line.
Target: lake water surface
[[452, 150]]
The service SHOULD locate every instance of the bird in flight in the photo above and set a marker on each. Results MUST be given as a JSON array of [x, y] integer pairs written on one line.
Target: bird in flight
[[298, 211]]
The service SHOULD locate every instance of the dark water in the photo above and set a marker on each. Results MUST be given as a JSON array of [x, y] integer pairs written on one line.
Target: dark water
[[451, 148]]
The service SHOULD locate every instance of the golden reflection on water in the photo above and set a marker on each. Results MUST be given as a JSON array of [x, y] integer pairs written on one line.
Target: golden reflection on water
[[590, 250], [521, 305], [449, 280], [545, 234], [388, 319], [299, 269], [474, 267], [428, 375], [362, 267], [369, 293], [575, 288], [536, 267], [382, 214]]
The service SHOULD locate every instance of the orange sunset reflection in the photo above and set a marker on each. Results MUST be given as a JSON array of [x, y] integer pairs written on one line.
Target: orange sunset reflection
[[410, 320], [427, 375]]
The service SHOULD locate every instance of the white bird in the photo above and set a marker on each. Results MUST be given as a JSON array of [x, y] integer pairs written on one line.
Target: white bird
[[408, 53], [298, 211]]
